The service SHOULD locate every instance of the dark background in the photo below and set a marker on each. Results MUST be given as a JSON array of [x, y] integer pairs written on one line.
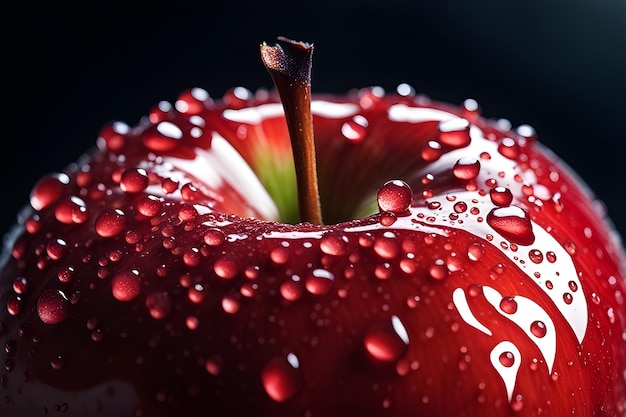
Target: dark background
[[558, 66]]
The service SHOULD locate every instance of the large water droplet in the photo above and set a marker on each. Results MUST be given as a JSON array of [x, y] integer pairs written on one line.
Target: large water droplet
[[387, 341], [110, 222], [48, 189], [71, 210], [126, 285], [134, 180], [319, 281], [513, 223], [394, 196], [282, 377], [454, 132], [466, 168], [53, 306]]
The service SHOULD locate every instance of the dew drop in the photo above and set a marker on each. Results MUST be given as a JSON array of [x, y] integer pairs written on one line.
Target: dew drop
[[508, 305], [159, 304], [333, 244], [431, 151], [387, 341], [513, 223], [231, 303], [292, 289], [454, 132], [535, 256], [466, 168], [438, 270], [568, 298], [53, 306], [71, 210], [476, 251], [386, 246], [20, 285], [538, 328], [48, 189], [507, 359], [319, 281], [111, 222], [355, 129], [509, 148], [282, 377], [134, 180], [111, 136], [14, 305], [501, 196], [149, 206], [126, 285], [214, 237], [226, 267], [56, 249], [460, 207], [164, 136], [394, 196]]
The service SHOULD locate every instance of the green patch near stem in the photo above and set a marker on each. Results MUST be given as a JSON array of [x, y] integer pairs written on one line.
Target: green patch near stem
[[279, 179]]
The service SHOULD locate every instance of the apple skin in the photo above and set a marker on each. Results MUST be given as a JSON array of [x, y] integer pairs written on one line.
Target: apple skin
[[155, 276]]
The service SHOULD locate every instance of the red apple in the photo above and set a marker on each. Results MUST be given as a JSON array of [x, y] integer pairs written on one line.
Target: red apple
[[451, 266]]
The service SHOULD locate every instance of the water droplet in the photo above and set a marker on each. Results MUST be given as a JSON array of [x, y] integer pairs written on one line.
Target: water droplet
[[387, 341], [111, 222], [20, 285], [282, 377], [438, 269], [159, 304], [355, 129], [149, 206], [466, 168], [126, 285], [454, 132], [14, 305], [508, 305], [319, 281], [501, 196], [214, 237], [111, 136], [509, 148], [568, 298], [386, 246], [394, 196], [53, 306], [538, 328], [192, 101], [460, 207], [507, 359], [48, 189], [56, 249], [292, 289], [134, 180], [551, 257], [513, 223], [226, 267], [71, 210], [476, 251], [535, 256], [333, 244], [231, 303], [164, 136], [431, 151]]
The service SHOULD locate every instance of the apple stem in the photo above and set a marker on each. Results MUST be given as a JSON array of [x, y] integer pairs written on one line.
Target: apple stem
[[289, 64]]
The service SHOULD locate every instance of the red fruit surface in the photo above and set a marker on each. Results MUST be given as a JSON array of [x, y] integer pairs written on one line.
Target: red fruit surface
[[156, 277]]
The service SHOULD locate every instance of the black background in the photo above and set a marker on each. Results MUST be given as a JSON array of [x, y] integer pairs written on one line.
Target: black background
[[558, 66]]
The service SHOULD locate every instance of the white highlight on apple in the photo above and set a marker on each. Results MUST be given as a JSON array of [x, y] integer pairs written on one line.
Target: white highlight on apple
[[528, 312], [460, 302], [507, 373]]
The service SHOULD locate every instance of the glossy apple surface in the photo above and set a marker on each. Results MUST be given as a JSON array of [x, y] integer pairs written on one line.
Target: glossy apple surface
[[462, 270]]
